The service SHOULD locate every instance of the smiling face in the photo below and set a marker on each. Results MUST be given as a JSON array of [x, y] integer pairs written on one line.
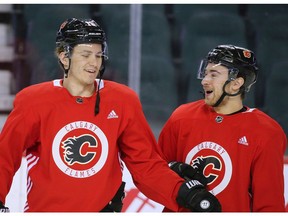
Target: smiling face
[[213, 81], [85, 63]]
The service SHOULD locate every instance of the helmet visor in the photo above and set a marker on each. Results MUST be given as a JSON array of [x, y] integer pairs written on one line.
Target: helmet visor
[[202, 69], [105, 51], [232, 72]]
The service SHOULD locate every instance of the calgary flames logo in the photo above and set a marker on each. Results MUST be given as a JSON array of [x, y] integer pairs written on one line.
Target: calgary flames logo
[[215, 164], [80, 149], [210, 166], [73, 149]]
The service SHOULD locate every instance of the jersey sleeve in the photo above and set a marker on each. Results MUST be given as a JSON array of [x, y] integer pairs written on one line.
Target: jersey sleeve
[[267, 174], [139, 151], [167, 140], [19, 133], [171, 134]]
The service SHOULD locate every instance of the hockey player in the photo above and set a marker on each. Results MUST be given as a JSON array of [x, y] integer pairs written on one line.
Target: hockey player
[[233, 149], [74, 142]]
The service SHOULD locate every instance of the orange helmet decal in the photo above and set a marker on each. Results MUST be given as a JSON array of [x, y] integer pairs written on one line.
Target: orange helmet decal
[[247, 53]]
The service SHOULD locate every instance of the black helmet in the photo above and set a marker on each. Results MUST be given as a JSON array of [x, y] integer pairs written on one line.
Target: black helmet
[[76, 31], [241, 62]]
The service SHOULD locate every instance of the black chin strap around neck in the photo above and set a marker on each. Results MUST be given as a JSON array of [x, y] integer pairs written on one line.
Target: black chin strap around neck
[[66, 70], [97, 104]]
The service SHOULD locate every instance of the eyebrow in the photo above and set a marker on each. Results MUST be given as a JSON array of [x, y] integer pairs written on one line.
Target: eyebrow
[[89, 52], [217, 71], [212, 71]]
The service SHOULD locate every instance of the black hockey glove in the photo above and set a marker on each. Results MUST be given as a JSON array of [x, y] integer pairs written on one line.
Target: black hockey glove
[[116, 204], [187, 172], [193, 195], [3, 209]]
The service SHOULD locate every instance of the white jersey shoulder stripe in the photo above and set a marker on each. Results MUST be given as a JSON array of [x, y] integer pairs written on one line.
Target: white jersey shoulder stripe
[[250, 110], [57, 83]]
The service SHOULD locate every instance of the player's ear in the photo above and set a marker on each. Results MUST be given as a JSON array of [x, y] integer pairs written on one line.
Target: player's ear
[[63, 59], [237, 83]]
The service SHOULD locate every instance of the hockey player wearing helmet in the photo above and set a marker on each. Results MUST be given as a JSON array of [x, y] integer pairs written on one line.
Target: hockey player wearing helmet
[[74, 141], [233, 149]]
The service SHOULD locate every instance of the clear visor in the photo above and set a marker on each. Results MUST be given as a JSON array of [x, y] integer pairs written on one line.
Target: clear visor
[[105, 51], [104, 54], [202, 69], [232, 72]]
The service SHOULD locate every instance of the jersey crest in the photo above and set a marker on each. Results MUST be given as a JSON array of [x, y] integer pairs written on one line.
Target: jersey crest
[[214, 162], [80, 149]]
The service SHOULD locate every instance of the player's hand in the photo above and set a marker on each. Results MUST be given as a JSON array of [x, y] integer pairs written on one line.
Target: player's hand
[[193, 195], [187, 172], [3, 209]]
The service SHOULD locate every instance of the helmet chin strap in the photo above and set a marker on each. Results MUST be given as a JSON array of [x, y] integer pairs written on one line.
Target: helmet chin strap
[[97, 104], [68, 51], [66, 70], [225, 93]]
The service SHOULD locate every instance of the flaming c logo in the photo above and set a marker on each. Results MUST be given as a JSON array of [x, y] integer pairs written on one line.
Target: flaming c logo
[[73, 149], [80, 149], [215, 163]]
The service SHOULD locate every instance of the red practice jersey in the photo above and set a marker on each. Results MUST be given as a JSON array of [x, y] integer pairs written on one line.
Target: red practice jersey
[[74, 157], [241, 155]]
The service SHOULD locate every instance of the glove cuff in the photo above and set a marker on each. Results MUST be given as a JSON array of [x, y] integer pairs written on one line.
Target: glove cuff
[[3, 209], [187, 192]]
